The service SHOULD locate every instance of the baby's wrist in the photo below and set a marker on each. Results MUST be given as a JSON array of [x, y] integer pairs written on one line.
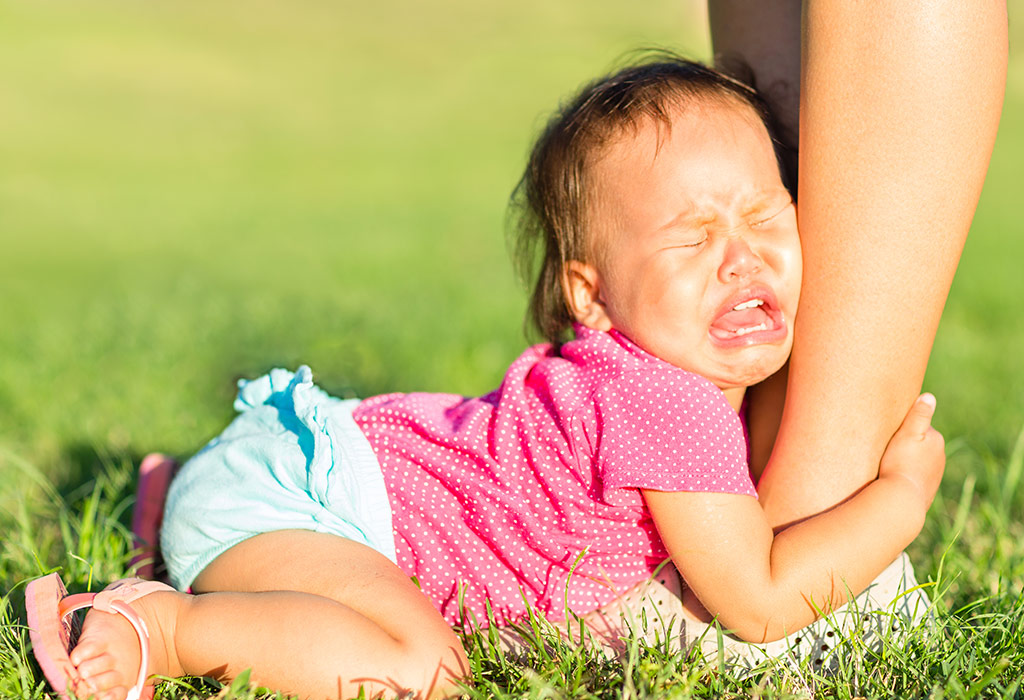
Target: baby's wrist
[[911, 496]]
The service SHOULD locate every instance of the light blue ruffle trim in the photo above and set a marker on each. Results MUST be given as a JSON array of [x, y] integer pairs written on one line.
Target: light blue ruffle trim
[[293, 458]]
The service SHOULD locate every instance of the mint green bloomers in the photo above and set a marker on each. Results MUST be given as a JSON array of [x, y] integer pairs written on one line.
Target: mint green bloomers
[[292, 459]]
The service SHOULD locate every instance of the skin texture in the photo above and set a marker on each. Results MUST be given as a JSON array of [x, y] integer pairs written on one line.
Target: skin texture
[[763, 36], [692, 221], [355, 618], [693, 217], [763, 586], [689, 218], [899, 106], [891, 96]]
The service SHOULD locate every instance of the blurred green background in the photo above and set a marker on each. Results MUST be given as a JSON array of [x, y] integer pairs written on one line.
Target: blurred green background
[[191, 192]]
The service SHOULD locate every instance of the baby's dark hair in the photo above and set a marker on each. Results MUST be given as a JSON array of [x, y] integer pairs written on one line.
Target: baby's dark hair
[[550, 205]]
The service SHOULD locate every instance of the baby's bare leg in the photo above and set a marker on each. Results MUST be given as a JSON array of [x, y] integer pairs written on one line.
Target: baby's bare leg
[[318, 615], [311, 614]]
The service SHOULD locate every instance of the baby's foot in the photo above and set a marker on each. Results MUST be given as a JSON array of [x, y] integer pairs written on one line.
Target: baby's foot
[[108, 655]]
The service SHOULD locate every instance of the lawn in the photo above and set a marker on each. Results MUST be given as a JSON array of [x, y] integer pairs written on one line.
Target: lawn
[[195, 192]]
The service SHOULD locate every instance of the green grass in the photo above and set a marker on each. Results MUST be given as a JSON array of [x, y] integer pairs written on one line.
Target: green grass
[[194, 192]]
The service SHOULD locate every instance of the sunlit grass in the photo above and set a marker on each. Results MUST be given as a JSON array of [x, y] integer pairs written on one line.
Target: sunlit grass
[[195, 192], [973, 647]]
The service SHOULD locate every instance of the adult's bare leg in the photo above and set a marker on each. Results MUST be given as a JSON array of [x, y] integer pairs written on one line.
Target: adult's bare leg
[[763, 38], [899, 106]]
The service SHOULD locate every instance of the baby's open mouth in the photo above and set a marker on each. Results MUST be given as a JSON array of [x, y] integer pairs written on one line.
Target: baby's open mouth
[[752, 318]]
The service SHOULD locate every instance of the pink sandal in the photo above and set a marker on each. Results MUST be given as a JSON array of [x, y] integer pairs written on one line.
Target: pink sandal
[[54, 630], [155, 474]]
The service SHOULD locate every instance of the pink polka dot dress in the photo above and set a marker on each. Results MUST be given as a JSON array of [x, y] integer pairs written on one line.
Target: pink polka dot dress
[[531, 493]]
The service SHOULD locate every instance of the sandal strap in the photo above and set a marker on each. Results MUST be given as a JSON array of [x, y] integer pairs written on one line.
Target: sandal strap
[[127, 590], [117, 598], [140, 629]]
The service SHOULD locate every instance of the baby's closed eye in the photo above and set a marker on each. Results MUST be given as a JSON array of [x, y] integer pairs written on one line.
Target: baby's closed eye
[[686, 237], [764, 219]]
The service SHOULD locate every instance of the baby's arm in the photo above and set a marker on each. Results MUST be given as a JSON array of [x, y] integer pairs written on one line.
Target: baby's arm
[[763, 586]]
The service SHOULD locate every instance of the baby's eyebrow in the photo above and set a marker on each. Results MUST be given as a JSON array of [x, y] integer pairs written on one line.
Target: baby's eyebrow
[[756, 203], [768, 207], [686, 222], [769, 199], [689, 216]]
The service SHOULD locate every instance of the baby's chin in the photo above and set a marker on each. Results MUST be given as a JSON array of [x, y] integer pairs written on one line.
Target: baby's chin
[[751, 373]]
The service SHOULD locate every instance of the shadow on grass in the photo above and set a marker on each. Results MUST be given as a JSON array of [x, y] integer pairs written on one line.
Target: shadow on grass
[[76, 519], [82, 465]]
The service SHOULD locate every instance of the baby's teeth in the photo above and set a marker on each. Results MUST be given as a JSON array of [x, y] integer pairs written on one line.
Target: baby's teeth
[[748, 304], [752, 329]]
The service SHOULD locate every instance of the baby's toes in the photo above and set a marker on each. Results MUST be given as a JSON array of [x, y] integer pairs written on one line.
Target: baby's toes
[[97, 675], [85, 652], [103, 685]]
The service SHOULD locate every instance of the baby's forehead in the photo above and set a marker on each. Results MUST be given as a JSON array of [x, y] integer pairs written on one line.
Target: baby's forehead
[[683, 112], [648, 132], [700, 158]]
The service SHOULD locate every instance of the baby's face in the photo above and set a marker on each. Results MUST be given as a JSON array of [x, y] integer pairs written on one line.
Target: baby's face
[[699, 257]]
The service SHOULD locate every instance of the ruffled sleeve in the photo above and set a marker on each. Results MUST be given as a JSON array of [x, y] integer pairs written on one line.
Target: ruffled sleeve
[[668, 431]]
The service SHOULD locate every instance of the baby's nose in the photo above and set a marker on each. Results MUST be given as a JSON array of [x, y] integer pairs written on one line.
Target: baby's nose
[[739, 260]]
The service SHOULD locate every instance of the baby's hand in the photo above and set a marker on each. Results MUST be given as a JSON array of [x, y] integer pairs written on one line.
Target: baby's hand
[[917, 451]]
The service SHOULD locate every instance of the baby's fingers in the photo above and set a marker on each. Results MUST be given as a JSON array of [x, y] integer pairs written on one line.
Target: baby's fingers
[[919, 418]]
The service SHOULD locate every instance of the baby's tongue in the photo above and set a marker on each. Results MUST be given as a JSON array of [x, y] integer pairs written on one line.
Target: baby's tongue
[[731, 321]]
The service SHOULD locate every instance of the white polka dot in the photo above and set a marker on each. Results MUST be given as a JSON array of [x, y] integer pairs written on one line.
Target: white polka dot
[[500, 494]]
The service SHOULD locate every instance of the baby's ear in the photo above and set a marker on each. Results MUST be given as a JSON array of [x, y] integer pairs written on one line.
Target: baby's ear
[[581, 284]]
